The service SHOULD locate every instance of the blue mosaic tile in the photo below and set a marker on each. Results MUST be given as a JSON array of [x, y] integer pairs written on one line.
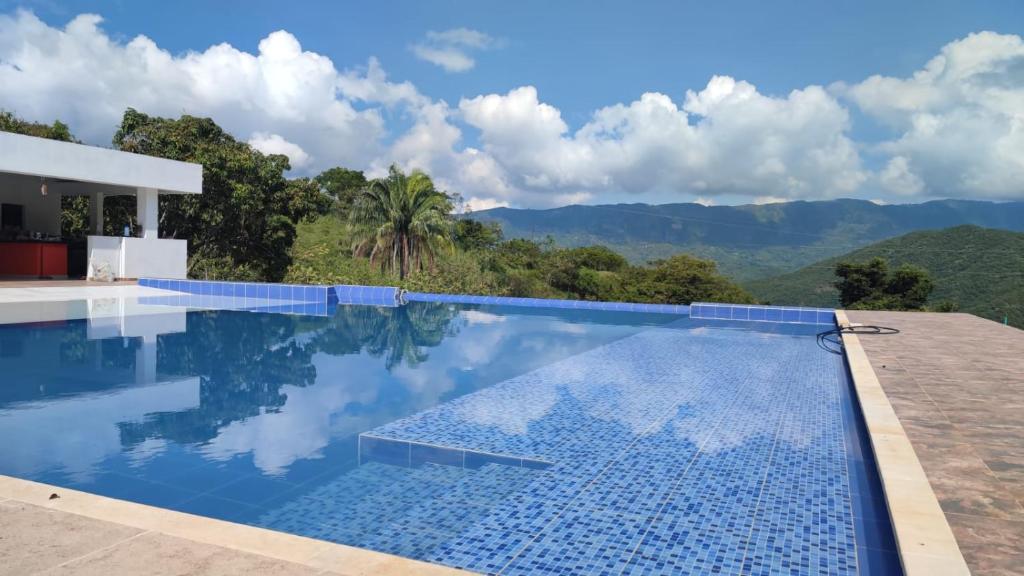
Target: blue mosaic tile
[[662, 465], [655, 453]]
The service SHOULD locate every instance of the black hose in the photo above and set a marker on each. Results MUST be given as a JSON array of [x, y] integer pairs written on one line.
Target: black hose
[[830, 340]]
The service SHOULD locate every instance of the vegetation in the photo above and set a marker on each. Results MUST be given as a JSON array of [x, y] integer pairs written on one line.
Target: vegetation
[[401, 222], [748, 242], [975, 270], [243, 224], [483, 262], [56, 131], [253, 223], [871, 286]]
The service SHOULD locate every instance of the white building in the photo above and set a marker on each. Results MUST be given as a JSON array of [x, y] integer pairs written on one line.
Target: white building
[[35, 173]]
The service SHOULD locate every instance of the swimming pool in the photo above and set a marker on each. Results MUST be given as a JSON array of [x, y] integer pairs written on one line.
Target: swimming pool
[[499, 439]]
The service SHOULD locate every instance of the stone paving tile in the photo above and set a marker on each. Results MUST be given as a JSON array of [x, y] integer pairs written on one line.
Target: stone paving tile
[[156, 554], [956, 383], [991, 547], [34, 538]]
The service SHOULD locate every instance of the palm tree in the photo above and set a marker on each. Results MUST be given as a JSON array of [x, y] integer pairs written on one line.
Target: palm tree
[[400, 220]]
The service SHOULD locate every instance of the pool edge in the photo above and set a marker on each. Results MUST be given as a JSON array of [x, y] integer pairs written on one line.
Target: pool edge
[[924, 539], [319, 555]]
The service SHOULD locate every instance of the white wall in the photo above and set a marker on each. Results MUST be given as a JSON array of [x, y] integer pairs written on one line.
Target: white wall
[[155, 258], [140, 257]]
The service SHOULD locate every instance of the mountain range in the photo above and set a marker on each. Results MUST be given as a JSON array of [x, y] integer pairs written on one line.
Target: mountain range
[[980, 270], [751, 241]]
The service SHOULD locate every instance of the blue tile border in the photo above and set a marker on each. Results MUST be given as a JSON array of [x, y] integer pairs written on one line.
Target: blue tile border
[[356, 294], [330, 295], [291, 292], [411, 454], [546, 303], [758, 313], [392, 296]]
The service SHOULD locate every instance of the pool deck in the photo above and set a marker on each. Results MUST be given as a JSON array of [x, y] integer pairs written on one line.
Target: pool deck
[[84, 534], [956, 384]]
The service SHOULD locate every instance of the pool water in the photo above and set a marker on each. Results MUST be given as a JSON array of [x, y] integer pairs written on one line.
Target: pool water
[[506, 440]]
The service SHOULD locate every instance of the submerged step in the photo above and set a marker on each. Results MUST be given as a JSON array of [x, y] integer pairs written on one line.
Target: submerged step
[[412, 454]]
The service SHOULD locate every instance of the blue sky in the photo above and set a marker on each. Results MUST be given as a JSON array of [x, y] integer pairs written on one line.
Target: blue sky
[[582, 57]]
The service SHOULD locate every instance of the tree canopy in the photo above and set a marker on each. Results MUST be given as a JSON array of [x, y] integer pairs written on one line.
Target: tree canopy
[[873, 286], [243, 224], [56, 131], [401, 222]]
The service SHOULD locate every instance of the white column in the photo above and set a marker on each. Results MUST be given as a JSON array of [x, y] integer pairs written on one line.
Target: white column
[[97, 214], [145, 360], [147, 211]]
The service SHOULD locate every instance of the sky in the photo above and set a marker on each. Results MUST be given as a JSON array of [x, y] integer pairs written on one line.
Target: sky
[[541, 104]]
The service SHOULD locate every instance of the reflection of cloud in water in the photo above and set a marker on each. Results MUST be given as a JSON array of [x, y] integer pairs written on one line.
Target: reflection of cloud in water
[[77, 433], [571, 328], [516, 412], [306, 422], [474, 317], [144, 451], [345, 399], [714, 389]]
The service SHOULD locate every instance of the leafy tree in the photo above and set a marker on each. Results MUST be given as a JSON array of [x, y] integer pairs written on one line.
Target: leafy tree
[[475, 235], [322, 254], [245, 218], [56, 131], [401, 222], [343, 185], [681, 279], [585, 271], [872, 286]]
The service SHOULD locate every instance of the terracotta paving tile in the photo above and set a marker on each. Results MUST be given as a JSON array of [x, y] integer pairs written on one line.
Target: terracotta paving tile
[[991, 547], [956, 382]]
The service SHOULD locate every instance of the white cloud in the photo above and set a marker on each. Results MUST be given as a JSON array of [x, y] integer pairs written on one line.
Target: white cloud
[[450, 49], [959, 121], [462, 37], [474, 204], [86, 78], [761, 200], [957, 124], [274, 144], [727, 138], [897, 177]]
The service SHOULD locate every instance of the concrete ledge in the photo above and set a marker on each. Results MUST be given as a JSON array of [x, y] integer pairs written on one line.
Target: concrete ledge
[[316, 554], [924, 539]]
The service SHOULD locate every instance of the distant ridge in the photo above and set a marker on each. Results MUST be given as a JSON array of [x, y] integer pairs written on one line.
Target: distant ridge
[[980, 269], [748, 241]]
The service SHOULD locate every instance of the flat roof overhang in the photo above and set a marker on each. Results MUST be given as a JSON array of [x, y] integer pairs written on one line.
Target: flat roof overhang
[[52, 159]]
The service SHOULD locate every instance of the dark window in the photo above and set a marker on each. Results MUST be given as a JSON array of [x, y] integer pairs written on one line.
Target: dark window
[[11, 216]]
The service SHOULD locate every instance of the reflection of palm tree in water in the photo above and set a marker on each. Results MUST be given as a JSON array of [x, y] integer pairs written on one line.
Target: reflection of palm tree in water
[[398, 334], [244, 359]]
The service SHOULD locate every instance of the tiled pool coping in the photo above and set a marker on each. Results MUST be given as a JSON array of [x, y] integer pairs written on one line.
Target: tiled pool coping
[[924, 540], [392, 296], [316, 554], [759, 313], [546, 303]]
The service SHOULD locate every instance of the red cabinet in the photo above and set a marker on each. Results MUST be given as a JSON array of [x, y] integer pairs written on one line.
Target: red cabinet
[[37, 259]]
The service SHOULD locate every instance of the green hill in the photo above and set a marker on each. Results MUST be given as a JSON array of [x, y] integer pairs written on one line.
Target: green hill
[[979, 269], [750, 241]]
